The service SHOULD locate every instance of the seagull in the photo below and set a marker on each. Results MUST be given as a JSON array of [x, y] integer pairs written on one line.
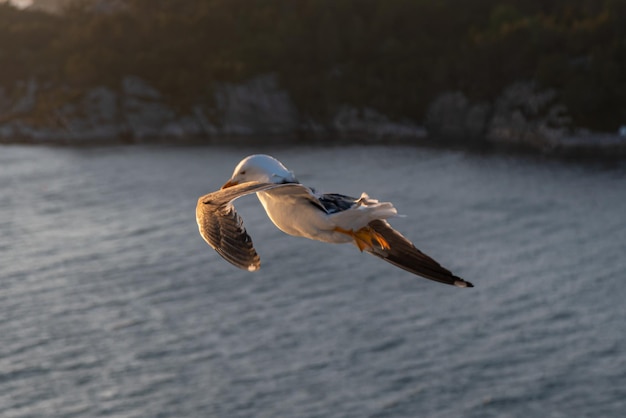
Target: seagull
[[299, 211]]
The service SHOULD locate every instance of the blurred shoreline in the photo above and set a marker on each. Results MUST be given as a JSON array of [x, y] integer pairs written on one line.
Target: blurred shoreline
[[259, 112], [493, 75], [609, 147]]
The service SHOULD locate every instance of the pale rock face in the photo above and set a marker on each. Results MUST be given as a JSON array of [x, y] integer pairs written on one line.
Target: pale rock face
[[138, 111], [257, 106], [368, 122], [522, 115], [95, 116], [525, 115], [145, 113], [451, 116]]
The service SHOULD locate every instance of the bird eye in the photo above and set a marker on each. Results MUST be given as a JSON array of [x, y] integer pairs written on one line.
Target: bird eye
[[242, 172]]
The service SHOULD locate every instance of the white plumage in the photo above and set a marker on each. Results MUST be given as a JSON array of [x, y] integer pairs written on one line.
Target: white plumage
[[297, 210]]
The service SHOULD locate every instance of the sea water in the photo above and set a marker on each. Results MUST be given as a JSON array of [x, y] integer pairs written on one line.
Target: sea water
[[112, 305]]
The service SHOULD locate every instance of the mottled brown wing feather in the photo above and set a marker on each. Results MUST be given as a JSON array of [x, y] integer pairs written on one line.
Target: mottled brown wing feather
[[402, 253], [222, 228]]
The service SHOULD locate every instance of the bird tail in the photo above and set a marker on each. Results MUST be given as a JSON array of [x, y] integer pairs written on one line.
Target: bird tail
[[363, 212]]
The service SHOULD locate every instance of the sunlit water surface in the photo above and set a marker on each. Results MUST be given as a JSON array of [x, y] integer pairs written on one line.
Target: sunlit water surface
[[112, 305]]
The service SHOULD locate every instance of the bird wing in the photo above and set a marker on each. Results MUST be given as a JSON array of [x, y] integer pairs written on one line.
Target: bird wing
[[402, 253], [222, 228]]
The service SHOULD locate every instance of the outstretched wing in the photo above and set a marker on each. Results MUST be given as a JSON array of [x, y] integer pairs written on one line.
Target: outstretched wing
[[402, 253], [222, 228]]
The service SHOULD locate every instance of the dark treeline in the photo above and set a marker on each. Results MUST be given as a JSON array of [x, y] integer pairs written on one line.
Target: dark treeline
[[395, 55]]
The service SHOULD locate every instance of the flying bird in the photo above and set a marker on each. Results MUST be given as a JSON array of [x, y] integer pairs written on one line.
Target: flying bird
[[299, 211]]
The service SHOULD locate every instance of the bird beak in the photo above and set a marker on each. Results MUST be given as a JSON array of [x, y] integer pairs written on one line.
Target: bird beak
[[230, 183]]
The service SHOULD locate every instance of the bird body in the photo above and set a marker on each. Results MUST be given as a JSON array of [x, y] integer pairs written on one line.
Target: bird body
[[298, 215], [297, 210], [293, 214]]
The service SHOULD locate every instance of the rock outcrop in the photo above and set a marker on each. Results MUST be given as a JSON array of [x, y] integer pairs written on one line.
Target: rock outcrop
[[522, 117], [139, 112]]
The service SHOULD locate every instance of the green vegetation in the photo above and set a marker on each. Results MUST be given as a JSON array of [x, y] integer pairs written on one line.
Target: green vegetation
[[395, 55]]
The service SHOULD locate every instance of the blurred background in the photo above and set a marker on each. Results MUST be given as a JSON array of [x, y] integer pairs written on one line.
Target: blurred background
[[497, 128], [527, 74]]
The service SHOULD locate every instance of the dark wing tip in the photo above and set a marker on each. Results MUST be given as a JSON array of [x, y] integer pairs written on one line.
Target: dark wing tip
[[402, 253]]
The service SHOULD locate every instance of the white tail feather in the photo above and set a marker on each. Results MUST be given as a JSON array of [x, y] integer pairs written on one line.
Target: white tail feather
[[364, 212]]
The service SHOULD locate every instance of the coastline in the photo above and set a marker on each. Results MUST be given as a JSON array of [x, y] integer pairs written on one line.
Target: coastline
[[596, 146], [523, 119]]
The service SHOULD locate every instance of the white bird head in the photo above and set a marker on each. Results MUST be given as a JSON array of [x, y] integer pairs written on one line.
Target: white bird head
[[262, 168]]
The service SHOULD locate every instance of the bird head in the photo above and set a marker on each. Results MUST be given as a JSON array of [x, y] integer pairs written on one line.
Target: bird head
[[261, 168]]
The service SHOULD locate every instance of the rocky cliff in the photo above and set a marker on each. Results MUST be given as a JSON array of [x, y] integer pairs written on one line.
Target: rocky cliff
[[138, 112], [260, 110]]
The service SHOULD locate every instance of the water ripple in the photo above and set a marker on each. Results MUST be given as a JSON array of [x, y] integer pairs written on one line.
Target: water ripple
[[112, 305]]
